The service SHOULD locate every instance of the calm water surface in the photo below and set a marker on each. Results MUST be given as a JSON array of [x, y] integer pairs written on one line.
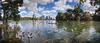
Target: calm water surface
[[51, 31]]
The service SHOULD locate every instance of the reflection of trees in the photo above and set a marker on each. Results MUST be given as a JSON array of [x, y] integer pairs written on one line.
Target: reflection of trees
[[1, 28], [73, 26], [10, 34], [97, 26]]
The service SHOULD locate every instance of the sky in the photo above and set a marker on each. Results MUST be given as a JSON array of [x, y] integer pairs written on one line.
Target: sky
[[51, 7]]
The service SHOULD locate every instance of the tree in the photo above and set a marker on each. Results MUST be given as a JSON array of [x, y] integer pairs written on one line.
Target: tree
[[0, 10], [10, 10], [81, 1], [78, 10], [95, 2], [96, 17], [67, 15], [78, 7], [58, 17]]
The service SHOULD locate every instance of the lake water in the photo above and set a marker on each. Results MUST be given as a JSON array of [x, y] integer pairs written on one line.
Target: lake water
[[51, 31]]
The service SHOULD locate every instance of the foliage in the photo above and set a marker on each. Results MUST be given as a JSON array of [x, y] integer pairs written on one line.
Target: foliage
[[82, 1], [69, 14], [0, 17], [78, 9], [95, 2], [73, 26], [10, 9], [58, 17], [97, 12], [63, 16]]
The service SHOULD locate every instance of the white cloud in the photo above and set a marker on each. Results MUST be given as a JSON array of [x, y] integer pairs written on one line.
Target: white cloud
[[68, 7], [41, 8], [26, 14], [61, 5], [45, 1], [52, 13], [70, 0], [32, 6], [21, 8], [88, 7], [76, 0]]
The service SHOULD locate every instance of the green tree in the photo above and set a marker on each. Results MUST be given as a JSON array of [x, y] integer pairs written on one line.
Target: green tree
[[81, 1], [95, 2], [78, 7], [58, 17], [67, 15], [10, 10], [78, 10], [0, 16], [97, 12]]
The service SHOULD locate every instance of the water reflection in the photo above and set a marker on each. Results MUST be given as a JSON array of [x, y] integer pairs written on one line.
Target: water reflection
[[74, 26], [50, 31], [9, 35]]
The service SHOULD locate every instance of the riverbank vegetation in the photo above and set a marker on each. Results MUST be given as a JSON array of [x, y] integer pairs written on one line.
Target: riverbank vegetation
[[10, 11], [78, 14]]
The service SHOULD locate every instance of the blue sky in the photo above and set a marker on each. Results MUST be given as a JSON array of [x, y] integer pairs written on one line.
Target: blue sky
[[50, 7], [47, 9]]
